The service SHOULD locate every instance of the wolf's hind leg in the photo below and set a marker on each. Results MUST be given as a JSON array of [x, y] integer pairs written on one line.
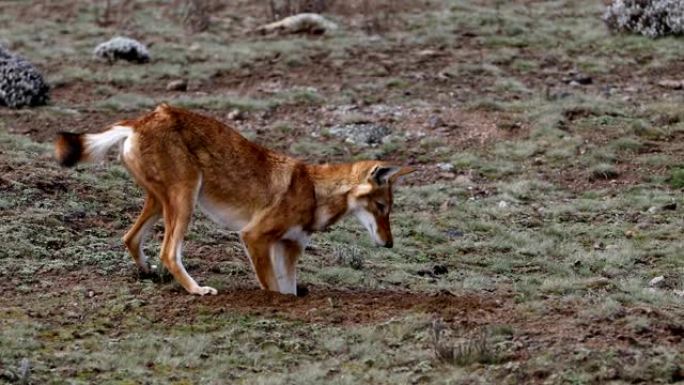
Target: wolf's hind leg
[[135, 237]]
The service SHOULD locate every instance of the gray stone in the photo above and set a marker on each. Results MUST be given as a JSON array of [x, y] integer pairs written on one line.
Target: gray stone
[[365, 134], [177, 85], [21, 84], [657, 281], [122, 48]]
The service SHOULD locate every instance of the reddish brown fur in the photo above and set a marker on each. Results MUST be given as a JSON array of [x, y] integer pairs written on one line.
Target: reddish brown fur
[[178, 157]]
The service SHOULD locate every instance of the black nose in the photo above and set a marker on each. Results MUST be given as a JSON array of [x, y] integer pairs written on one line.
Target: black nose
[[389, 244]]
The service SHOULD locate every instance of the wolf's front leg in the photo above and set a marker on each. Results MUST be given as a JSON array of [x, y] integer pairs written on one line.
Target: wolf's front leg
[[284, 255], [274, 261]]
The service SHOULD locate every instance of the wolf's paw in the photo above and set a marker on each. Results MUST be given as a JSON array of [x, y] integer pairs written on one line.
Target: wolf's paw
[[148, 271], [204, 290]]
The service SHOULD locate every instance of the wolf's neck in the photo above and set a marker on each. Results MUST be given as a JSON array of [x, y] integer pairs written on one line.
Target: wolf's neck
[[332, 183]]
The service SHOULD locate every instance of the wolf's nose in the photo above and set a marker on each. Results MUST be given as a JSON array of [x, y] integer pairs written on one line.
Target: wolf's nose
[[389, 244]]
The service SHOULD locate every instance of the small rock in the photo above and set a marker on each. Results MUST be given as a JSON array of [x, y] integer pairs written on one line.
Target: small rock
[[630, 233], [361, 134], [652, 210], [599, 246], [428, 53], [435, 122], [464, 180], [447, 175], [24, 370], [236, 115], [439, 270], [177, 85], [672, 84], [577, 79], [445, 166], [657, 281], [311, 23], [503, 204], [454, 233], [597, 282], [670, 206], [678, 293], [122, 48]]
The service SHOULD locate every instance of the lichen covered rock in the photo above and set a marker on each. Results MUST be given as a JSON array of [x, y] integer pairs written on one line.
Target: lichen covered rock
[[652, 18], [311, 23], [364, 134], [21, 84], [122, 48]]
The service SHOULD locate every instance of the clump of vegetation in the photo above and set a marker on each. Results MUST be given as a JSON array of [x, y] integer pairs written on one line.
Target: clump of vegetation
[[349, 256], [677, 178], [122, 48], [477, 348], [652, 18], [604, 171], [21, 84]]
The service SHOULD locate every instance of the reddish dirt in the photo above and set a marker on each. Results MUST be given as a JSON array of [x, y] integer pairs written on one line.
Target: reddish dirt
[[346, 307], [562, 322]]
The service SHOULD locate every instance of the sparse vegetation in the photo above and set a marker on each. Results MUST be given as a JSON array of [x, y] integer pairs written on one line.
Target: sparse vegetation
[[548, 196]]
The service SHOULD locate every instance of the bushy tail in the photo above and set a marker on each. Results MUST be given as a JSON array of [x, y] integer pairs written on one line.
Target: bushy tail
[[71, 149]]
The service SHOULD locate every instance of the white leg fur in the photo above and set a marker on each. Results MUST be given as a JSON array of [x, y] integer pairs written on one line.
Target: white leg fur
[[286, 277], [196, 289]]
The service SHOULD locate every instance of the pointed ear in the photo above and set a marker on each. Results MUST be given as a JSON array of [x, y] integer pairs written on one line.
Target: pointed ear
[[381, 175], [403, 171]]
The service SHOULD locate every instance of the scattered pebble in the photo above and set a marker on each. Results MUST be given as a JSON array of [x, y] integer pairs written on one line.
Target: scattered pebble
[[366, 134], [454, 233], [672, 84], [428, 53], [577, 79], [670, 206], [236, 115], [436, 271], [177, 85], [311, 23], [435, 122], [657, 281], [503, 204], [445, 166], [464, 180]]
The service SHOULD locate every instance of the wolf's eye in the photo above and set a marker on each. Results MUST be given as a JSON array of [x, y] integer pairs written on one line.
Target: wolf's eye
[[381, 206]]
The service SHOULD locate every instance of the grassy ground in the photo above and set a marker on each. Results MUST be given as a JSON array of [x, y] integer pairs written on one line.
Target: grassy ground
[[524, 246]]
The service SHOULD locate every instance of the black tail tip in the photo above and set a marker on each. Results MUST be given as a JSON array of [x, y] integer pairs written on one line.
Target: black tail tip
[[68, 148]]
